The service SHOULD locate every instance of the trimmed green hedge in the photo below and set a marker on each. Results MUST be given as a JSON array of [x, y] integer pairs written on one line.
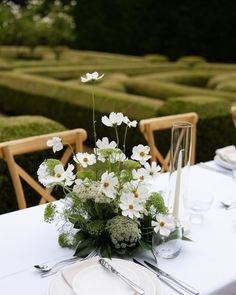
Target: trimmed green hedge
[[71, 72], [70, 104], [217, 79], [164, 90], [215, 126], [19, 127]]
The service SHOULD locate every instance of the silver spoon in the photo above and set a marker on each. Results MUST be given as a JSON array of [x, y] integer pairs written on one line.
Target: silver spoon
[[44, 268]]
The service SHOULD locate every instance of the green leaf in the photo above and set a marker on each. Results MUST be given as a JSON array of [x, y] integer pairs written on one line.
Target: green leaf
[[86, 174], [184, 238], [105, 250], [145, 245], [130, 165], [84, 248]]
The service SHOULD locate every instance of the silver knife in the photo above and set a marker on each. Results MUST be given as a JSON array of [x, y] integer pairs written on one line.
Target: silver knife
[[175, 280], [165, 280], [109, 267]]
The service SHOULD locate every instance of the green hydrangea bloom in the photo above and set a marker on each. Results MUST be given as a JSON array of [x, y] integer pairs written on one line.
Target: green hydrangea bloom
[[95, 227], [123, 231], [49, 212]]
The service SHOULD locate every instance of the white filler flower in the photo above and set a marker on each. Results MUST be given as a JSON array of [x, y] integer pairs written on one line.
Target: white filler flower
[[91, 77], [55, 143], [85, 159], [164, 223], [114, 119], [108, 184], [140, 153], [129, 123], [130, 206]]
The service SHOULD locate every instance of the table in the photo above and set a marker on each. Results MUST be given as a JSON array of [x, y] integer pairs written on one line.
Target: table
[[208, 263]]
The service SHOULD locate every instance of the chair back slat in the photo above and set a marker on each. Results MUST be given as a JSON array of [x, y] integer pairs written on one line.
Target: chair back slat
[[149, 126], [9, 149]]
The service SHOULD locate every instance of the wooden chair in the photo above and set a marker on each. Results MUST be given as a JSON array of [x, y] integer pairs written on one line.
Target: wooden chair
[[148, 126], [233, 111], [10, 149]]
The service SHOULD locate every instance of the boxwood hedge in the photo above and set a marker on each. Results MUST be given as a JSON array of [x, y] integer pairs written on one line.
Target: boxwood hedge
[[19, 127]]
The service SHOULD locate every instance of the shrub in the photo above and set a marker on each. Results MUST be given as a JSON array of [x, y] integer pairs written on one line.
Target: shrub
[[217, 79], [19, 127], [164, 90], [215, 128]]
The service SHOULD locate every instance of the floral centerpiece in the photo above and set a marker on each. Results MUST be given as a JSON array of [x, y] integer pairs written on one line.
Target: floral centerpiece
[[109, 205]]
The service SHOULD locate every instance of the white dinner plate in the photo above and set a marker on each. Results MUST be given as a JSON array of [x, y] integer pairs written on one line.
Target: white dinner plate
[[223, 163], [90, 280]]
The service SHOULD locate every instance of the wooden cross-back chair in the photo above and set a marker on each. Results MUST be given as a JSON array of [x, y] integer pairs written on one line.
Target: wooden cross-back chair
[[148, 126], [233, 111], [10, 149]]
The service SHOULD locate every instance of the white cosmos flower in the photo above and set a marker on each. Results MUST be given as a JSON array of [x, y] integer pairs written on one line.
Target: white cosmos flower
[[164, 223], [140, 153], [55, 143], [108, 184], [60, 175], [140, 174], [43, 173], [91, 77], [85, 159], [138, 190], [115, 119], [129, 123], [130, 206], [104, 144], [153, 169]]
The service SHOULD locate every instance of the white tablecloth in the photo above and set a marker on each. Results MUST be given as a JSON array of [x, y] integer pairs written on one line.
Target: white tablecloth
[[208, 263]]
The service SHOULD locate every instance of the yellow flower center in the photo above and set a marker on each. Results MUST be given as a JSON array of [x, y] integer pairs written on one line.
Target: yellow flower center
[[58, 174], [85, 160], [136, 194], [106, 184], [142, 154], [141, 177], [131, 206], [162, 223]]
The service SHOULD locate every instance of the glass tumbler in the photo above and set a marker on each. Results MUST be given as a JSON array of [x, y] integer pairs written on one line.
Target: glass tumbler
[[168, 245]]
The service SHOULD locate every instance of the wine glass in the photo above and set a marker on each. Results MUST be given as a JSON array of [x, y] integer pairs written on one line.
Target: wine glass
[[198, 203]]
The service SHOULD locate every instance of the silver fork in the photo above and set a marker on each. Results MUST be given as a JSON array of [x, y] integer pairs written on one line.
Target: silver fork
[[55, 269]]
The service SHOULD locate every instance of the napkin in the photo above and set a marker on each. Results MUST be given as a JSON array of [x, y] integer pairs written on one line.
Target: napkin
[[228, 154], [69, 272]]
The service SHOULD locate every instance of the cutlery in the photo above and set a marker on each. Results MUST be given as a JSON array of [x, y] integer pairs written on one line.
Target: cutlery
[[109, 267], [47, 268], [228, 206], [175, 280], [54, 269], [179, 289]]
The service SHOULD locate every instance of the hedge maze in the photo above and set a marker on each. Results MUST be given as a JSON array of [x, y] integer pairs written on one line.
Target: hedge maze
[[140, 87]]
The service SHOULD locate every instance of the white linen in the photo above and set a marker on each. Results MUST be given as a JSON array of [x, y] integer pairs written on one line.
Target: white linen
[[227, 154], [208, 263]]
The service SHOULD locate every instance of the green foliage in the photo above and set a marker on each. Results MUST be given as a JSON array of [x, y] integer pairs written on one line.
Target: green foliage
[[49, 212], [19, 127], [157, 203]]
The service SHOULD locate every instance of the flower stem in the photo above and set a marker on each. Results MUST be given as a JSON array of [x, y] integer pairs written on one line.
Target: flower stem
[[117, 136], [126, 129], [94, 121]]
